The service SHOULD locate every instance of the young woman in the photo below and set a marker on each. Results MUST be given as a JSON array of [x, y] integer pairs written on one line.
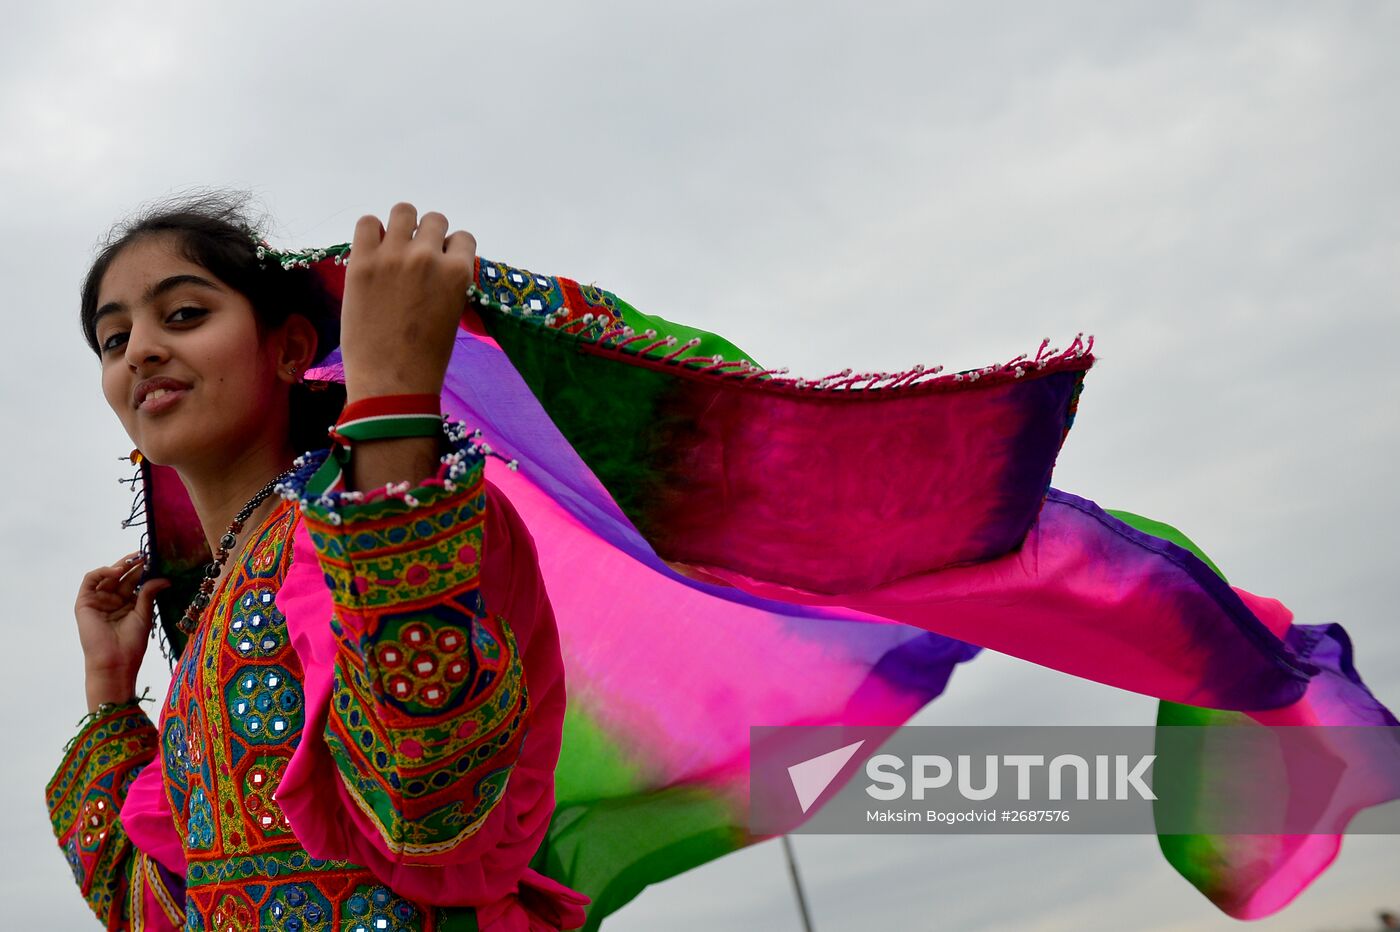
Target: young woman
[[429, 770], [364, 728]]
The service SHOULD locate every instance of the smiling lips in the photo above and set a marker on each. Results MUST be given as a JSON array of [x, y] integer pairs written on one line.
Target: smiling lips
[[158, 394], [160, 399]]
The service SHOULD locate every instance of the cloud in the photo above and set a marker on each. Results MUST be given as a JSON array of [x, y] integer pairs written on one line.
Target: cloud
[[1207, 187]]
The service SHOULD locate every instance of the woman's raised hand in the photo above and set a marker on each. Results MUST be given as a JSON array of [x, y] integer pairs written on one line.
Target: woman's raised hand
[[405, 291], [114, 623]]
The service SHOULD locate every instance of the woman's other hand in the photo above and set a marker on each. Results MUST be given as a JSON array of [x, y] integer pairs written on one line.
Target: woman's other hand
[[405, 291], [114, 623]]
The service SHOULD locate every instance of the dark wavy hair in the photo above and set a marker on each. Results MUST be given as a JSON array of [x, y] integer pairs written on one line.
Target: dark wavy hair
[[215, 230]]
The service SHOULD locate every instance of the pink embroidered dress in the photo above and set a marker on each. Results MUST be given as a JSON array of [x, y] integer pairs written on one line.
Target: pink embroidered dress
[[388, 768]]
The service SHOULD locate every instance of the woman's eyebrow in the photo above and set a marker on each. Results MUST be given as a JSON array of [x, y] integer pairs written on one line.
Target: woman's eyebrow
[[155, 291]]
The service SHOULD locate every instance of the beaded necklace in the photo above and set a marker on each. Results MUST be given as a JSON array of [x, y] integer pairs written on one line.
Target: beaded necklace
[[190, 620]]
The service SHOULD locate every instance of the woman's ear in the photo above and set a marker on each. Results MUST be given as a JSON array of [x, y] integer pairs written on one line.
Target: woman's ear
[[298, 346]]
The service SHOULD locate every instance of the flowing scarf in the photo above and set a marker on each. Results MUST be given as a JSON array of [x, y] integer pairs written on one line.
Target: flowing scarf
[[726, 545]]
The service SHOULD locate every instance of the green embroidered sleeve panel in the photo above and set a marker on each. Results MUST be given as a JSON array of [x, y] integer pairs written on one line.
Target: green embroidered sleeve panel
[[84, 800], [428, 712]]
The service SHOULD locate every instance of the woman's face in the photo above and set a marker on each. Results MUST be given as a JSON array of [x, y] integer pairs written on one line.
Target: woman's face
[[161, 316]]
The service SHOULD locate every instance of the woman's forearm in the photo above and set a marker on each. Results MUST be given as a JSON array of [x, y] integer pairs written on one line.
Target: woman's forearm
[[111, 687], [402, 459]]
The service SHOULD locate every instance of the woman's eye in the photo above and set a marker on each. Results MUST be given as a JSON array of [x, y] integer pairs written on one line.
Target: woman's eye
[[194, 312], [189, 313]]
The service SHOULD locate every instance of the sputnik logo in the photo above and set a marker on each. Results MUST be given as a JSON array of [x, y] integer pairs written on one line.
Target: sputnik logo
[[811, 777]]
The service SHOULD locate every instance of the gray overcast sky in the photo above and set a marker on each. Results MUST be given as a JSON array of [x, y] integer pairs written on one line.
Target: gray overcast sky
[[1208, 188]]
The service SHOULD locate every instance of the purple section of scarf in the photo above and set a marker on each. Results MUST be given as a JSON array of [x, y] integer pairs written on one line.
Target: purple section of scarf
[[1253, 876]]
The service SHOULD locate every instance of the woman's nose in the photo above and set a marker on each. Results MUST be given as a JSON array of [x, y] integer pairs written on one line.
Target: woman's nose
[[145, 344]]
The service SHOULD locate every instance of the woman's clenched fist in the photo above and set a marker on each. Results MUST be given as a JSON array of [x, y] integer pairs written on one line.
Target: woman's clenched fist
[[405, 291]]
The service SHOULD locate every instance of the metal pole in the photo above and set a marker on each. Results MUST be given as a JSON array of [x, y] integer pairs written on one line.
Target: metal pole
[[797, 885]]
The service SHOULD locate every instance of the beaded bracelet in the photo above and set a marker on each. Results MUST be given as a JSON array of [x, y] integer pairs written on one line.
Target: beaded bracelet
[[107, 708], [103, 710]]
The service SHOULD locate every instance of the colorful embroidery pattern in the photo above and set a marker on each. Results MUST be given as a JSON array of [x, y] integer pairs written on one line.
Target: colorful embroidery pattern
[[429, 708], [559, 301], [427, 719], [84, 799], [234, 715], [246, 868]]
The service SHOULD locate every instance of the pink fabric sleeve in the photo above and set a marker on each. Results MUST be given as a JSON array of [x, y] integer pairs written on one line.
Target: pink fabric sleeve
[[489, 868]]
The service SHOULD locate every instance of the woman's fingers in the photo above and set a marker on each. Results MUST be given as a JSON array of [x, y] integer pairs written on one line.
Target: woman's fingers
[[127, 583], [145, 600], [420, 273], [461, 245], [403, 220], [460, 249], [432, 228], [404, 226], [368, 233], [104, 577], [106, 602]]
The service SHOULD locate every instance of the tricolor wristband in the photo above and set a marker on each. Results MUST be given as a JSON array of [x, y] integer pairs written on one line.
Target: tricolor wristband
[[378, 418], [387, 417]]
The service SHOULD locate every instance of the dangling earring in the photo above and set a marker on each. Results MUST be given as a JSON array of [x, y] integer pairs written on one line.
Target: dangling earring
[[135, 456]]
